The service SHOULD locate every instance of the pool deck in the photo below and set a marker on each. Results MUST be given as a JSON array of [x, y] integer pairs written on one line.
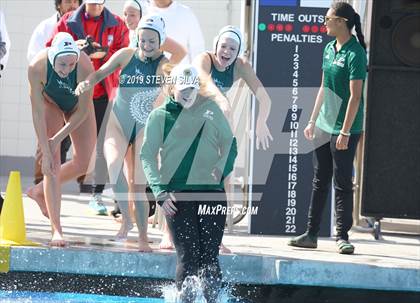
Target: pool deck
[[391, 263]]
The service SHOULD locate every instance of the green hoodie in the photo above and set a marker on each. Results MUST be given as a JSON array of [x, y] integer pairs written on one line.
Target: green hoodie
[[191, 144]]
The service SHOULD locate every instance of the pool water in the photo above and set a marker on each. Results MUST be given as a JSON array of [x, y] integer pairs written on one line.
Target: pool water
[[46, 297]]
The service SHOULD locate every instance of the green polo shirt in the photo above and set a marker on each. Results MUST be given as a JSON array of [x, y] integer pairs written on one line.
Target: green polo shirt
[[349, 63]]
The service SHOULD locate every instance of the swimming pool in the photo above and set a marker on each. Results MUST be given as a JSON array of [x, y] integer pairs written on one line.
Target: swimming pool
[[28, 287], [47, 297]]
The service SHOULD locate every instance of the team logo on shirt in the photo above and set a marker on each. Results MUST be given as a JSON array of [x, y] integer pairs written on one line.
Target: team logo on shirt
[[65, 86], [339, 62], [209, 115]]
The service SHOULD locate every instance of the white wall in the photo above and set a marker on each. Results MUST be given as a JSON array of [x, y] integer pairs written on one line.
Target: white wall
[[17, 136]]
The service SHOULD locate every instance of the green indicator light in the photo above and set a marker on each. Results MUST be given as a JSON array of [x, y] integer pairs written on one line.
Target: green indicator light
[[262, 27]]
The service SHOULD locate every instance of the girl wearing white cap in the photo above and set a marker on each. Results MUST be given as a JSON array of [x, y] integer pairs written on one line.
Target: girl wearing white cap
[[53, 77], [133, 12], [224, 66], [139, 87], [197, 151]]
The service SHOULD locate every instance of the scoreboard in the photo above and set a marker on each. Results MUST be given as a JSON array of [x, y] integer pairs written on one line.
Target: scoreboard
[[290, 36]]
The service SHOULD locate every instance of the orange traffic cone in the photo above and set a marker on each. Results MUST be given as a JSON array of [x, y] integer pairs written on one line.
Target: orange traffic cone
[[12, 222]]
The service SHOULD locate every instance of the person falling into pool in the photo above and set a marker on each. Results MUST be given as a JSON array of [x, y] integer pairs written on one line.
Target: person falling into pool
[[197, 151]]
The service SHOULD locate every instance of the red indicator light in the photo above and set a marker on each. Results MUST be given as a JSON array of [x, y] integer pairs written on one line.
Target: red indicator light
[[314, 28], [306, 29], [279, 27]]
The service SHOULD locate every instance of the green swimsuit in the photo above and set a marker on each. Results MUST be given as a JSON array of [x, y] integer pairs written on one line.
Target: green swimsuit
[[223, 80], [61, 90], [139, 87]]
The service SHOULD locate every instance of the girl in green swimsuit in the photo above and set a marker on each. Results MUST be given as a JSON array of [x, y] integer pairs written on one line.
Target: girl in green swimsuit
[[140, 79], [53, 77]]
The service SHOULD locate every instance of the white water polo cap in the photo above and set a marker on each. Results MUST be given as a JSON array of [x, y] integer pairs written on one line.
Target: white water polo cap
[[231, 32], [138, 5], [63, 44], [154, 22]]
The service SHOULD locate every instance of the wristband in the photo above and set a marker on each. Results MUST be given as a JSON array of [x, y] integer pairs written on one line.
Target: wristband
[[311, 122], [344, 133]]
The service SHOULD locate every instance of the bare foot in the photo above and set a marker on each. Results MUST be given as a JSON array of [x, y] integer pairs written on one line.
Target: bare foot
[[166, 242], [144, 246], [123, 232], [223, 249], [58, 240], [38, 197]]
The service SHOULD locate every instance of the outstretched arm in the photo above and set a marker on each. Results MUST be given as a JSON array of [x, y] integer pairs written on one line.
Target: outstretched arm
[[262, 131], [118, 60]]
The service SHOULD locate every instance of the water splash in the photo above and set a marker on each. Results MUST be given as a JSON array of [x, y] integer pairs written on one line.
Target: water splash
[[193, 286]]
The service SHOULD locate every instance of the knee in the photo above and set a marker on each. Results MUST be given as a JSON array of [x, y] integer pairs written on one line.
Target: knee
[[116, 173], [82, 165]]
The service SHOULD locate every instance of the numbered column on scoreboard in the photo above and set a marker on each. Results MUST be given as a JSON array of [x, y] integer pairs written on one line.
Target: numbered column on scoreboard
[[290, 42]]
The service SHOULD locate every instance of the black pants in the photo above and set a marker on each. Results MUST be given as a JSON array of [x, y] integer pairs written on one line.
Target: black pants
[[102, 111], [197, 238], [329, 162]]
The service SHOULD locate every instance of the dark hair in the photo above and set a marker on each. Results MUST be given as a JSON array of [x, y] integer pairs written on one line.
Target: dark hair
[[58, 2], [345, 10]]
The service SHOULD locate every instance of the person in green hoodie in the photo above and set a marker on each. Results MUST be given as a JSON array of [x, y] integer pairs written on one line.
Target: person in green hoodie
[[197, 151]]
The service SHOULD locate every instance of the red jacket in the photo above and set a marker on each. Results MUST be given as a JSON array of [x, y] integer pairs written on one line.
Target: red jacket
[[113, 33]]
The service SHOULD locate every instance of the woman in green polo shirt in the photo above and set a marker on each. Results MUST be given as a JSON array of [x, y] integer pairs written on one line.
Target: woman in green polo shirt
[[197, 151], [336, 124]]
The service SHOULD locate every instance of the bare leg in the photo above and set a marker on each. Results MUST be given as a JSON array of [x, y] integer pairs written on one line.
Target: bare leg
[[129, 174], [115, 147], [83, 155], [50, 206], [166, 242], [141, 202], [83, 144], [52, 189]]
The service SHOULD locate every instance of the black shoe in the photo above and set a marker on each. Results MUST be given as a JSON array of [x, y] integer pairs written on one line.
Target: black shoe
[[116, 212], [305, 240]]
